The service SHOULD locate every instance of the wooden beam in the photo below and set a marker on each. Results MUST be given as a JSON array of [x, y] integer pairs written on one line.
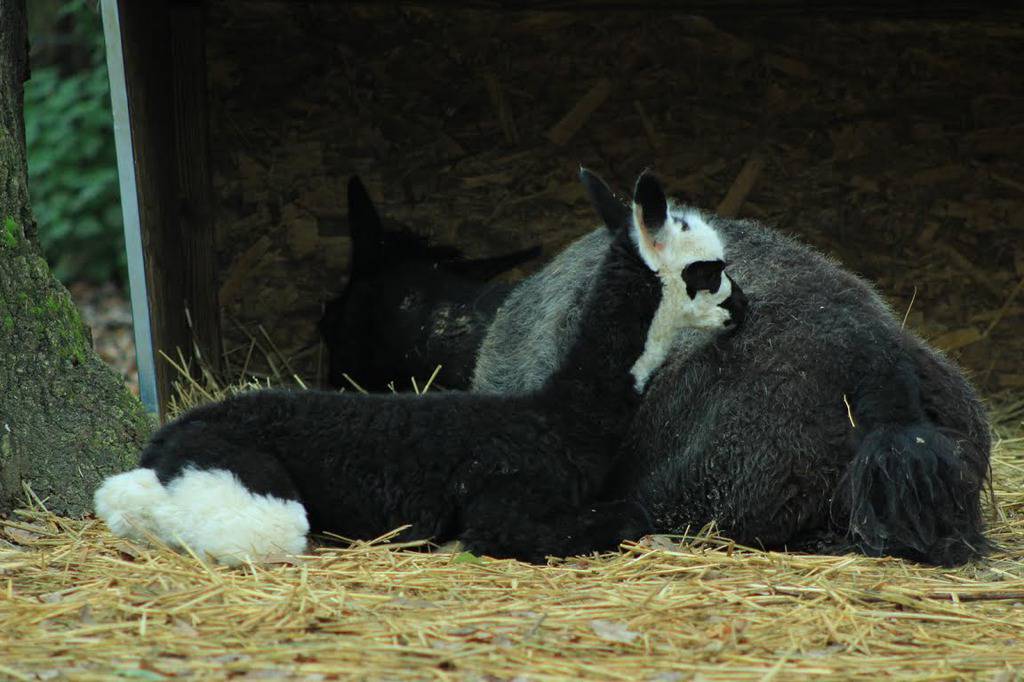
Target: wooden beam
[[891, 9], [195, 188], [144, 353]]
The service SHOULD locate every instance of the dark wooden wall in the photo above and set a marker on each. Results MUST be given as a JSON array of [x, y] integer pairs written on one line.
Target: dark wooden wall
[[894, 144]]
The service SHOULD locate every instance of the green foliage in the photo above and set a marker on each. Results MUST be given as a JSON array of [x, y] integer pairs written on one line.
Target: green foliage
[[466, 558], [71, 157]]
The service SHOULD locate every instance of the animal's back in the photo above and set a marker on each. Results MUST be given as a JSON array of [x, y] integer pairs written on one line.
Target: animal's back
[[363, 465], [535, 326]]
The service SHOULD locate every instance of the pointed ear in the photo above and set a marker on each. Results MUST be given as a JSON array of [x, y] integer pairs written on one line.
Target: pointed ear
[[650, 207], [650, 213], [613, 211], [484, 269], [365, 230]]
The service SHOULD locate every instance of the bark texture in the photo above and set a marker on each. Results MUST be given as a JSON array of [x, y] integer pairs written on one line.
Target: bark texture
[[66, 419]]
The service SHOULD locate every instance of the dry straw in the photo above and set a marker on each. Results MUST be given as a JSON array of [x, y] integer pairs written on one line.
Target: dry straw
[[78, 603]]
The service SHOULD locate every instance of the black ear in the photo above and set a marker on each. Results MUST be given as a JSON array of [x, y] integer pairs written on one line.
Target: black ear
[[613, 211], [650, 198], [365, 230], [483, 269]]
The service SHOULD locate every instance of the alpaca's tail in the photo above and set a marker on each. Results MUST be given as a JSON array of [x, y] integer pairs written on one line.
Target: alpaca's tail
[[911, 489], [910, 493], [128, 502]]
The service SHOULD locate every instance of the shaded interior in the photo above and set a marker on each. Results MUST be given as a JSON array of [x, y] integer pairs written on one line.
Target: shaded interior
[[894, 143]]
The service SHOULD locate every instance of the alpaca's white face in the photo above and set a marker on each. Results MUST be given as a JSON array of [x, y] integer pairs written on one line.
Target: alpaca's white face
[[689, 258]]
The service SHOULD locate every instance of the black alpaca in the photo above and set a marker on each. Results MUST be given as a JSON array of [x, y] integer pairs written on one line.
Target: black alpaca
[[381, 328], [509, 476]]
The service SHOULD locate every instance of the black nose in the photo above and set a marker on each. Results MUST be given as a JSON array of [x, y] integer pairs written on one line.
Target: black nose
[[736, 304]]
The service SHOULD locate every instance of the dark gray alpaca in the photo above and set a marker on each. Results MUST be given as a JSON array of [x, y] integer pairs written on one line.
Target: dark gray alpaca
[[823, 424], [509, 475], [758, 436]]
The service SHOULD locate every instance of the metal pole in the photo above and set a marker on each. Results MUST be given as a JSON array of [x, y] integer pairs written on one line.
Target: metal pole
[[130, 208]]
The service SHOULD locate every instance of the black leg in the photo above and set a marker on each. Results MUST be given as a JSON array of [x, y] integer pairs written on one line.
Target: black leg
[[511, 526]]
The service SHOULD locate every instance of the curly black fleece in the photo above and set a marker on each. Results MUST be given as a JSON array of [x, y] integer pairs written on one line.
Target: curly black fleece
[[509, 476]]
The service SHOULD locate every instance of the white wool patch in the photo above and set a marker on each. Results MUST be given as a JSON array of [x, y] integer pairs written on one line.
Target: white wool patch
[[126, 503], [685, 238], [216, 515]]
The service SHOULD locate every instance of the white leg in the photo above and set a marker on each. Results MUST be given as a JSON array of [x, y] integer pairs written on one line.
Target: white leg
[[216, 515]]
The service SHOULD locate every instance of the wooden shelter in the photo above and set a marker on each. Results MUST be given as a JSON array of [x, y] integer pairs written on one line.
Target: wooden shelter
[[888, 134]]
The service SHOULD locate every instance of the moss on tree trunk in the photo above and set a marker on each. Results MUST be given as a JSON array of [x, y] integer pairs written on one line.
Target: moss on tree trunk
[[66, 419]]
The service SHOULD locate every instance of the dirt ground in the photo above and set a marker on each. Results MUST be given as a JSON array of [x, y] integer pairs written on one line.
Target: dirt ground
[[108, 314]]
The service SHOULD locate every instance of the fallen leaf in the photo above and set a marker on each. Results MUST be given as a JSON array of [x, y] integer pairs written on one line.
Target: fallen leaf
[[185, 628], [826, 652], [958, 338], [445, 645], [51, 597], [466, 558], [671, 676], [127, 550], [406, 603], [659, 542], [613, 631], [20, 537], [282, 559], [138, 674], [265, 674], [230, 658], [450, 547]]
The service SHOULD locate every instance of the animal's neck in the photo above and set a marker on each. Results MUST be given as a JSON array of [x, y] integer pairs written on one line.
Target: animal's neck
[[612, 333]]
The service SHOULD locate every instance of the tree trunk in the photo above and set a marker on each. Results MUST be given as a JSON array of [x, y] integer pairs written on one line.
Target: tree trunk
[[66, 419]]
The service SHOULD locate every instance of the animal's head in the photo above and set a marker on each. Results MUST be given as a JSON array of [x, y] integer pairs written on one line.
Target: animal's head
[[397, 281], [686, 255]]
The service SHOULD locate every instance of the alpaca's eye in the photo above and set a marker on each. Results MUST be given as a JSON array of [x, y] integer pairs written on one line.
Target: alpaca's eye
[[704, 274]]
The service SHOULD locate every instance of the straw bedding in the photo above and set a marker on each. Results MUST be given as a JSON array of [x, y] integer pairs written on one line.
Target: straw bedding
[[78, 603]]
